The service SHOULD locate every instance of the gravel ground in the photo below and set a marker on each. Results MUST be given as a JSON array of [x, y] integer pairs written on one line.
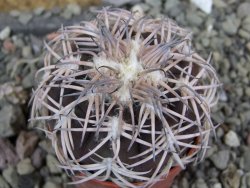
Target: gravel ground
[[26, 158]]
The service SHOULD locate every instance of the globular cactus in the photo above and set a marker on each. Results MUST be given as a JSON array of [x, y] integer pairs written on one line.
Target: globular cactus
[[125, 98]]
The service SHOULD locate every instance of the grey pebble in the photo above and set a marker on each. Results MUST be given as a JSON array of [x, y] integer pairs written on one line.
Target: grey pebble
[[153, 3], [199, 183], [11, 176], [245, 159], [5, 33], [47, 14], [38, 157], [11, 120], [71, 10], [24, 18], [221, 159], [25, 167], [248, 48], [194, 18], [244, 34], [26, 51], [243, 9], [231, 139], [231, 25], [39, 11], [231, 177], [245, 180], [216, 185], [46, 146], [3, 183], [15, 13], [49, 184], [219, 3], [170, 8], [52, 164]]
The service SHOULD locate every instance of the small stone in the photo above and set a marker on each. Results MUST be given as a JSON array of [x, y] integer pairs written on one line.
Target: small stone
[[183, 183], [27, 181], [199, 183], [26, 51], [243, 9], [244, 34], [26, 143], [231, 177], [204, 5], [246, 27], [38, 11], [231, 139], [56, 10], [47, 14], [38, 157], [8, 156], [221, 159], [9, 46], [248, 48], [171, 7], [219, 3], [137, 10], [153, 3], [245, 159], [11, 176], [51, 185], [205, 42], [245, 116], [3, 183], [216, 56], [52, 163], [36, 44], [11, 120], [24, 18], [73, 9], [5, 33], [14, 13], [245, 180], [211, 151], [217, 185], [44, 171], [66, 14], [231, 25], [194, 18], [25, 167], [220, 132], [46, 146]]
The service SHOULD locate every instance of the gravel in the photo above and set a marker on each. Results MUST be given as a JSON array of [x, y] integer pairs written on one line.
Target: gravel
[[231, 25], [3, 183], [52, 164], [26, 143], [25, 167], [5, 33], [231, 139], [245, 159], [231, 177], [25, 18], [11, 120], [243, 9], [11, 176], [51, 185], [221, 159]]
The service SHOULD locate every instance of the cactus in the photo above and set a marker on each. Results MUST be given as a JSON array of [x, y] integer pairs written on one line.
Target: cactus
[[125, 98]]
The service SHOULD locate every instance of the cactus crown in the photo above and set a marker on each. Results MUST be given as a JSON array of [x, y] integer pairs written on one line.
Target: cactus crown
[[125, 98]]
